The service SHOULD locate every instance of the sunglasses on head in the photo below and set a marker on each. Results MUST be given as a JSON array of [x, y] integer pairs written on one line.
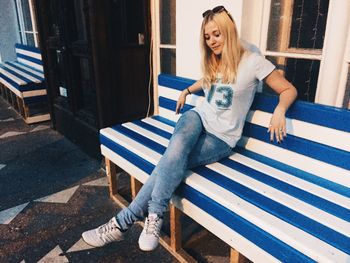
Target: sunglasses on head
[[216, 10]]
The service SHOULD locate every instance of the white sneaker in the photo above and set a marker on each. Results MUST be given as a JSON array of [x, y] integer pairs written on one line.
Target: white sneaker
[[104, 234], [149, 237]]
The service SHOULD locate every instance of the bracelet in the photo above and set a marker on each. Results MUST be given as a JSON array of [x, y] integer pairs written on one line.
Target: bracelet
[[189, 92]]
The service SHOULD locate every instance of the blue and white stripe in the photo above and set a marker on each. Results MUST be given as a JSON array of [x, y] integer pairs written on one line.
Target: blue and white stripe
[[29, 56], [273, 203], [25, 77]]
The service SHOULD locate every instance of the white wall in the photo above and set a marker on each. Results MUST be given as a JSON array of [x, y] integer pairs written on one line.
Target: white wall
[[188, 23]]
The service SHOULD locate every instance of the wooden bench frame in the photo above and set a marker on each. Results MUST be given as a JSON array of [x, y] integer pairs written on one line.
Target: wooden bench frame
[[20, 100], [174, 243]]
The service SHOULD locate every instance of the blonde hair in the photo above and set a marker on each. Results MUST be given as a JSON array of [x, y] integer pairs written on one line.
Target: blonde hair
[[231, 54]]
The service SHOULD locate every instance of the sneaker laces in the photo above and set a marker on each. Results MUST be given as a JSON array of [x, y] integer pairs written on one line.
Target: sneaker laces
[[152, 226], [106, 228]]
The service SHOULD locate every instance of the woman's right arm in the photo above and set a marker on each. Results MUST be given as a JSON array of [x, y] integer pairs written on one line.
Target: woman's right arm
[[191, 89]]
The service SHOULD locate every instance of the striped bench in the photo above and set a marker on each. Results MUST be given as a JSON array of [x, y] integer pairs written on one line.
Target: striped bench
[[23, 83], [269, 202]]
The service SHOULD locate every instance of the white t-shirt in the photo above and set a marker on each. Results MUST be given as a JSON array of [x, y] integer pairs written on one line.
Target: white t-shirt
[[224, 110]]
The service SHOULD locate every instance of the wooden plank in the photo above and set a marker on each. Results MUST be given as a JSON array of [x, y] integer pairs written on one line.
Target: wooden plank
[[236, 257], [135, 186], [284, 31], [111, 171], [39, 118], [175, 228]]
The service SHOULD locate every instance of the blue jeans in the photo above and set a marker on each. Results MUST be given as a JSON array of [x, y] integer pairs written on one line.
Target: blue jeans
[[189, 146]]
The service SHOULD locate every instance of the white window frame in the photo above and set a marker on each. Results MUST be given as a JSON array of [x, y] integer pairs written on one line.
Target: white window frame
[[156, 46], [344, 74], [335, 55], [22, 31]]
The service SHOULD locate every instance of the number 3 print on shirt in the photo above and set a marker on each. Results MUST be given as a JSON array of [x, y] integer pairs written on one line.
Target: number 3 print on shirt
[[227, 94]]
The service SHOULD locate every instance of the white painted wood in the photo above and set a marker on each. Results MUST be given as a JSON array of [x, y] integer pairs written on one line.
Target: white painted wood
[[29, 69], [292, 55], [300, 240], [265, 25], [146, 133], [28, 53], [344, 73], [31, 64], [159, 124], [155, 65], [23, 74], [124, 164], [34, 25], [12, 77], [292, 180], [295, 204], [230, 237], [173, 94], [222, 231], [304, 163], [169, 114], [309, 131], [272, 193], [140, 150], [337, 27]]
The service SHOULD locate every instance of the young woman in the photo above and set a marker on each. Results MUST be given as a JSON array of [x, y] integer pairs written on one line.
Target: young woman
[[207, 133]]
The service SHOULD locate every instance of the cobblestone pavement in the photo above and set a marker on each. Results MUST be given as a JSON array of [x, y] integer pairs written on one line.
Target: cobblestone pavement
[[50, 192]]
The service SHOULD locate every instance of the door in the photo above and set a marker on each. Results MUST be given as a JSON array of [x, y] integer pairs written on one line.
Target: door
[[65, 31]]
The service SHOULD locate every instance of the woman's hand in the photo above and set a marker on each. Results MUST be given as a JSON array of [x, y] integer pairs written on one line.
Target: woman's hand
[[181, 101], [287, 94], [277, 127]]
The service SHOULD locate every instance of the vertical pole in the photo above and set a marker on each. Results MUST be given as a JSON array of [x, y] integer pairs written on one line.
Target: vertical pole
[[135, 186], [155, 51], [175, 228], [112, 177], [236, 257]]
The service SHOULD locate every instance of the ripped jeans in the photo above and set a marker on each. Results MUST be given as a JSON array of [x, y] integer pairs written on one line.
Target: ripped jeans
[[190, 146]]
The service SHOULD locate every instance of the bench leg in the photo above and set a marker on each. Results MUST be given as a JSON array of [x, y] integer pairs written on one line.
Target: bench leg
[[111, 171], [175, 228], [135, 186], [236, 257]]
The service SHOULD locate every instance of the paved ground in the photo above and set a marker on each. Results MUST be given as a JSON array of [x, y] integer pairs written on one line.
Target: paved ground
[[50, 192]]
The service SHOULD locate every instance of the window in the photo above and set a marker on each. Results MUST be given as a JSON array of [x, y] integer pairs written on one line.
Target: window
[[346, 102], [26, 22], [295, 37], [167, 36]]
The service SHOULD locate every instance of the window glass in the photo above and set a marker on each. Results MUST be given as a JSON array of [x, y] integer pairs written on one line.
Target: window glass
[[168, 61], [297, 24], [346, 103], [26, 15], [302, 73], [167, 20], [30, 39]]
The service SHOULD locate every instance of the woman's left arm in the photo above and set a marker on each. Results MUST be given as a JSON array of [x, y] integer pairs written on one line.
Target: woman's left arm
[[287, 94]]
